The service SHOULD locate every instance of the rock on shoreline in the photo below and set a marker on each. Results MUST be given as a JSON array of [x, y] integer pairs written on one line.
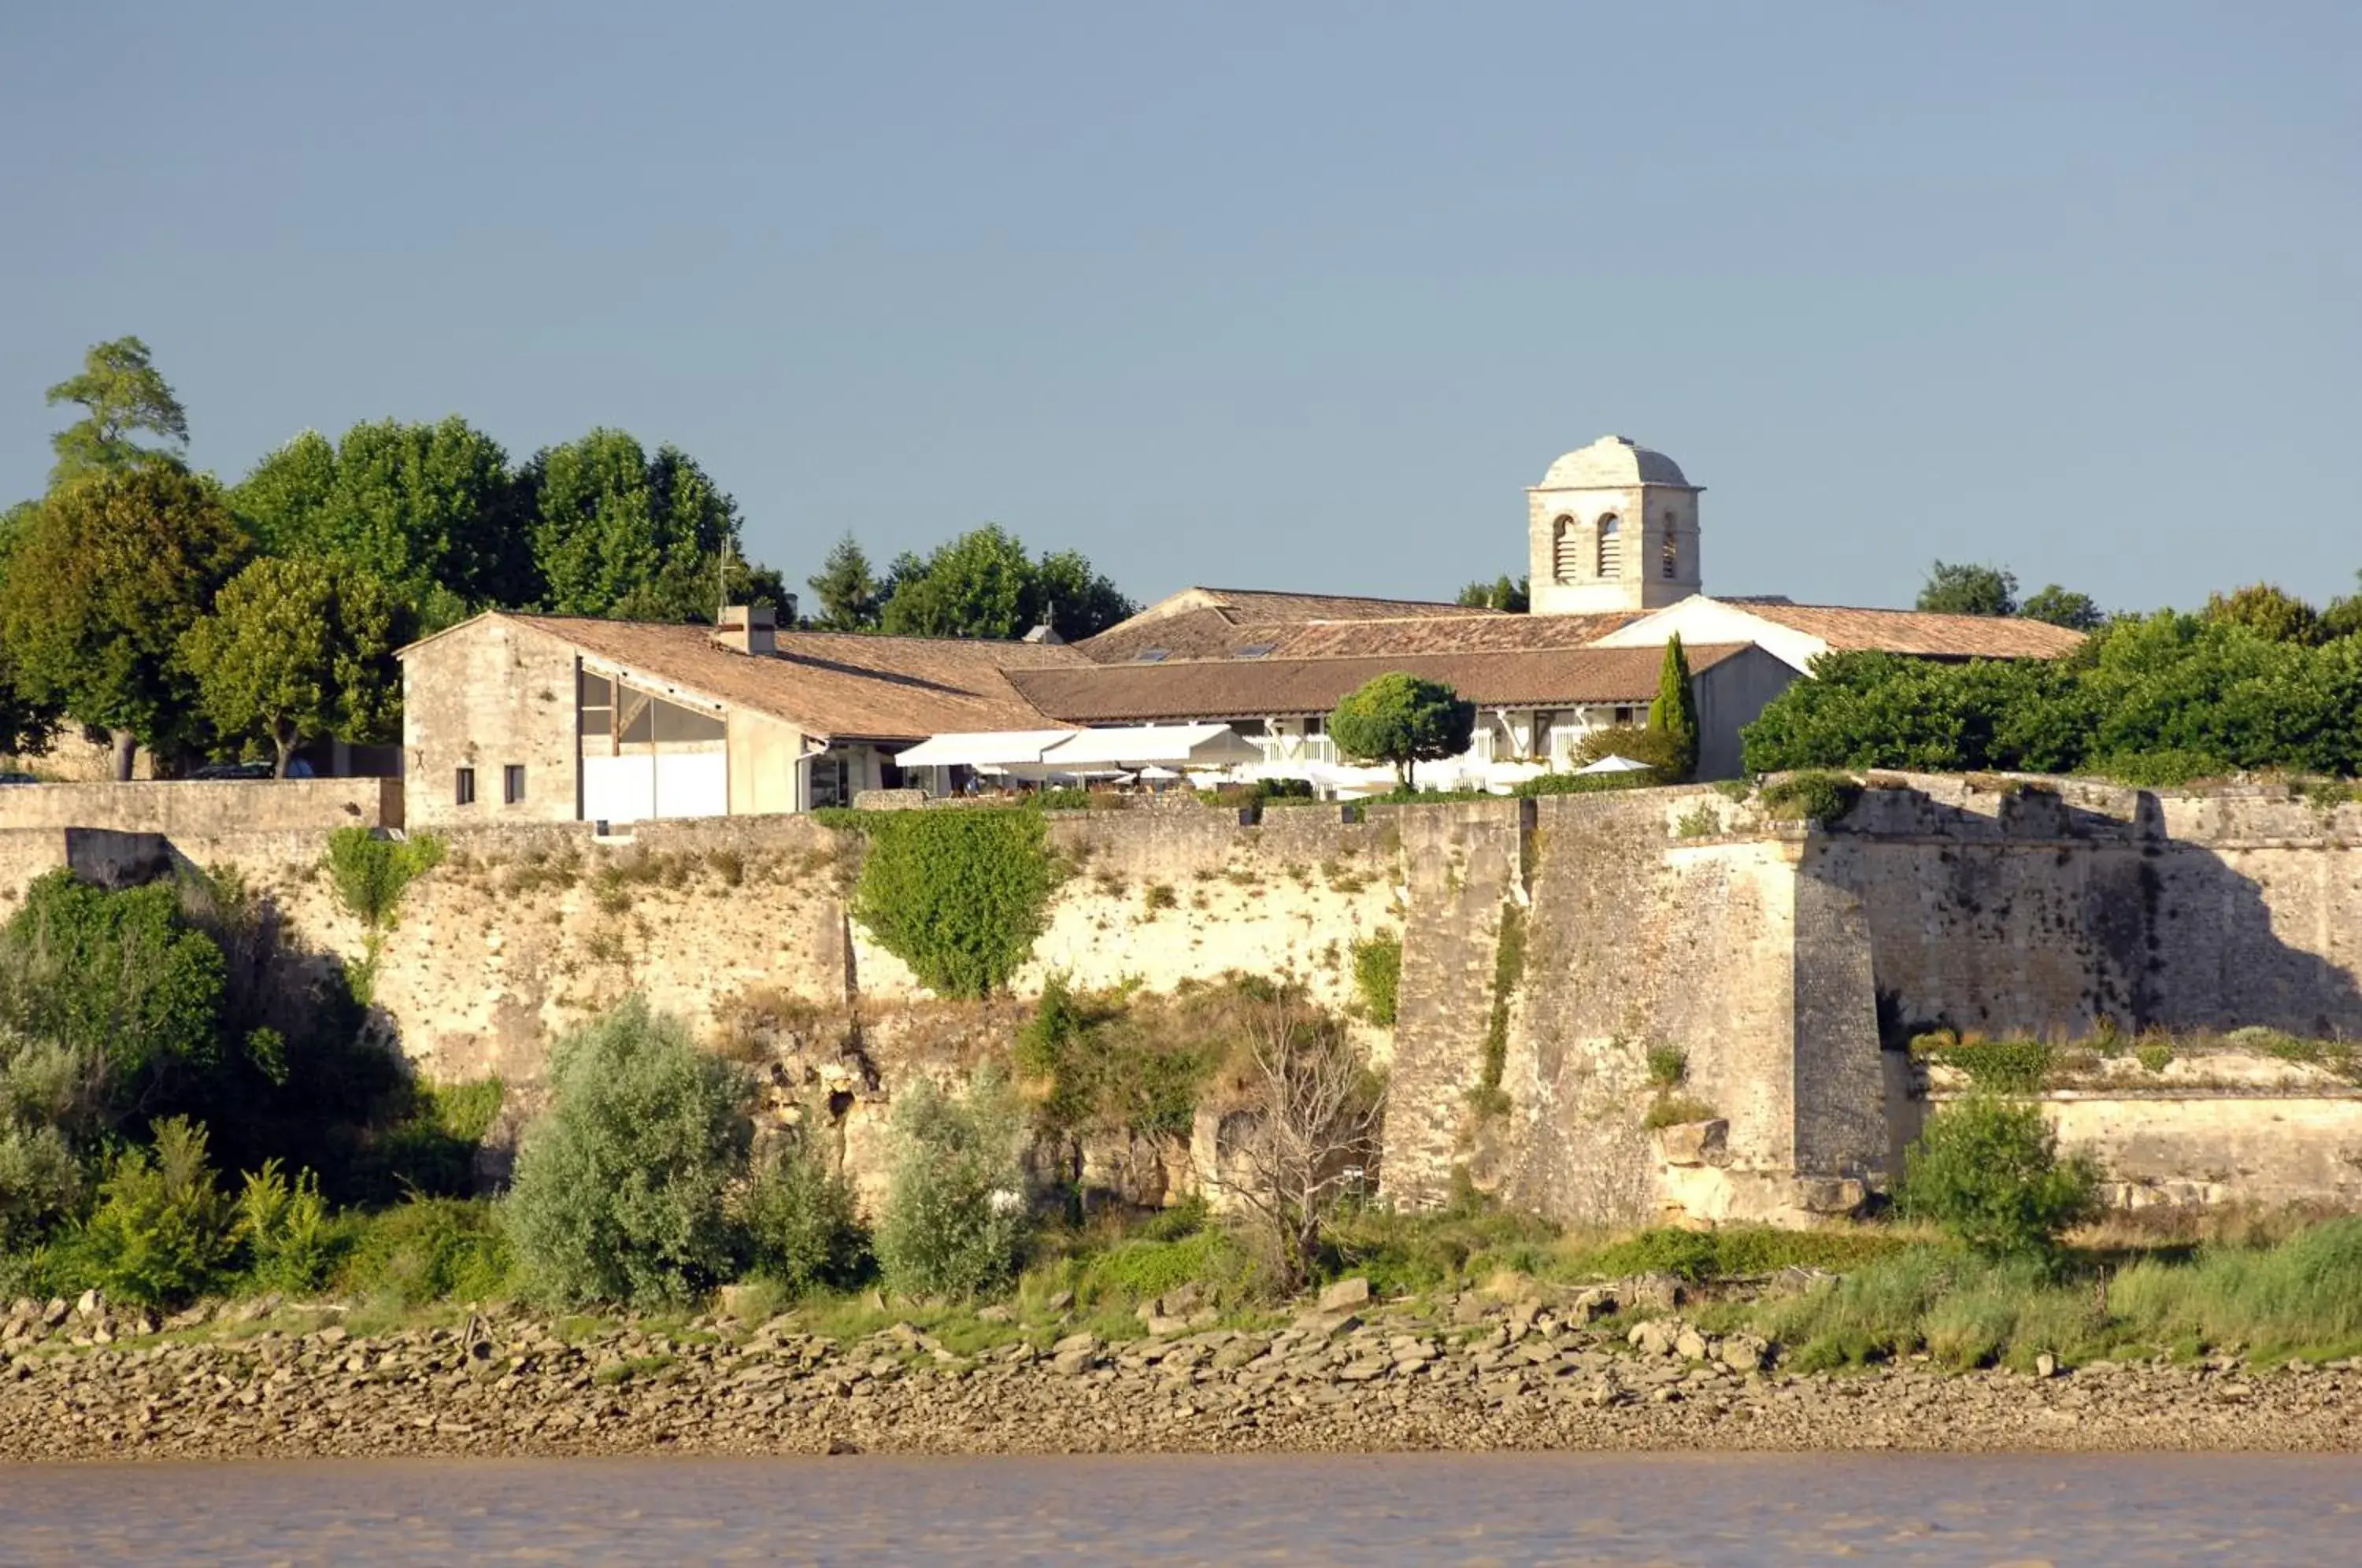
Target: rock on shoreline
[[1475, 1376]]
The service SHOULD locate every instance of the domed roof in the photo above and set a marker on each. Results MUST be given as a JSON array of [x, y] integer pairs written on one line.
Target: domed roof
[[1612, 461]]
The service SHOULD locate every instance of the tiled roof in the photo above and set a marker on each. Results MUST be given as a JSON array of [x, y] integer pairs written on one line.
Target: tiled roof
[[832, 684], [1919, 632], [1440, 634], [1266, 688], [1257, 604], [1214, 622]]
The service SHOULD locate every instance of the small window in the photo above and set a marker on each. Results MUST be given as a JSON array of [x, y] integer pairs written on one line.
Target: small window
[[512, 784], [1669, 554], [1152, 656], [463, 788], [1256, 650], [1611, 546], [1623, 715]]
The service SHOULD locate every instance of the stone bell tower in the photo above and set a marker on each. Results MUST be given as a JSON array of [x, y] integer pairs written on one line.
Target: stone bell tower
[[1612, 528]]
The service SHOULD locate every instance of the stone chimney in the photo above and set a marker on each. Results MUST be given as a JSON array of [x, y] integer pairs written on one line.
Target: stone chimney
[[748, 629]]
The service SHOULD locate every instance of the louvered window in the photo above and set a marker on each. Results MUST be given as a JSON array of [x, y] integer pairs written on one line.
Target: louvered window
[[1670, 556], [1611, 548], [1563, 559]]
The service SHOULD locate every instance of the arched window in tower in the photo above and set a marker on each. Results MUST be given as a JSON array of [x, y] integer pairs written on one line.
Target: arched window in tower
[[1564, 557], [1668, 554], [1611, 546]]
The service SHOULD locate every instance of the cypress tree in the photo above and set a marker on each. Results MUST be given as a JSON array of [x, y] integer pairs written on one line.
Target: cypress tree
[[1675, 713]]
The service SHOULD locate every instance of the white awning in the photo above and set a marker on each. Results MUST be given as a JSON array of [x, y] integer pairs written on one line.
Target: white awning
[[1614, 765], [981, 748], [1167, 746]]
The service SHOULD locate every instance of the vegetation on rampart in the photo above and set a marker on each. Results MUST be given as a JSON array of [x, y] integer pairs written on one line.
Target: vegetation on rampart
[[1378, 976]]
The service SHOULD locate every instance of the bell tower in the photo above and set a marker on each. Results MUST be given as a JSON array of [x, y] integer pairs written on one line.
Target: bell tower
[[1613, 528]]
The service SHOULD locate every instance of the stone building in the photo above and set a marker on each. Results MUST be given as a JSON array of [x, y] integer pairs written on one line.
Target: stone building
[[518, 717]]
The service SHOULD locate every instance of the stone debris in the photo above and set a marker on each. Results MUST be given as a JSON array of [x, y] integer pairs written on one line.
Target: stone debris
[[1469, 1374]]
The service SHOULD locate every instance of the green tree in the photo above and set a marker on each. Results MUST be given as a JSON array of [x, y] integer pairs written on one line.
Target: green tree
[[1673, 714], [121, 393], [959, 896], [298, 647], [101, 587], [2063, 607], [983, 584], [956, 1202], [621, 1189], [431, 510], [121, 981], [846, 588], [1959, 588], [2343, 616], [1987, 1171], [1403, 720], [2268, 611], [618, 533], [1499, 594]]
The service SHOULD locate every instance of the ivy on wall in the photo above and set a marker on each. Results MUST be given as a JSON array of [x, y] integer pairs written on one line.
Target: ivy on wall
[[957, 895]]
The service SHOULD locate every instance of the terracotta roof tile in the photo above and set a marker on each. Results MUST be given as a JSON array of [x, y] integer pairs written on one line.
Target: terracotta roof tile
[[1919, 631], [832, 684], [1272, 688]]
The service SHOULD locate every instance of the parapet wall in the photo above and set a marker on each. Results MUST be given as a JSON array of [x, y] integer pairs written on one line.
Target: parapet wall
[[1547, 947], [205, 809]]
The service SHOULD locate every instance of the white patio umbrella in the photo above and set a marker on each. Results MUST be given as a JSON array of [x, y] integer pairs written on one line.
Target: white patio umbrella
[[1614, 765]]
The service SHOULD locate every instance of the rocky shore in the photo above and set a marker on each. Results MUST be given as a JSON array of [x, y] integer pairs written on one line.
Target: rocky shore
[[79, 1381]]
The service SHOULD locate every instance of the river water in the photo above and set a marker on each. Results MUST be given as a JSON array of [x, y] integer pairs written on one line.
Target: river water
[[1625, 1510]]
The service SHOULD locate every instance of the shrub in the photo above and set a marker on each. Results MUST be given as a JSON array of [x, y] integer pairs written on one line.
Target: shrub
[[619, 1192], [1160, 896], [114, 976], [161, 1230], [1144, 1268], [286, 1230], [40, 1183], [2154, 1055], [2002, 1066], [1988, 1172], [1377, 976], [801, 1229], [957, 895], [371, 873], [1673, 1109], [1668, 1067], [956, 1206], [429, 1249], [1821, 798], [1585, 783]]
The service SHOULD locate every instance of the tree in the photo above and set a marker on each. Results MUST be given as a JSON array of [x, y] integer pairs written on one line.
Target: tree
[[956, 1202], [620, 1190], [1673, 714], [431, 510], [298, 647], [1499, 594], [1315, 1112], [1403, 720], [983, 584], [1987, 1171], [1959, 588], [121, 393], [621, 534], [2268, 611], [101, 587], [846, 588], [2063, 607]]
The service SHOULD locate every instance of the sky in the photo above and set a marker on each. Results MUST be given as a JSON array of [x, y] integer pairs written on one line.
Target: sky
[[1296, 296]]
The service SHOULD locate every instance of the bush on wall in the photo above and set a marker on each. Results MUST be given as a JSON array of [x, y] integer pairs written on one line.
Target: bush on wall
[[957, 895]]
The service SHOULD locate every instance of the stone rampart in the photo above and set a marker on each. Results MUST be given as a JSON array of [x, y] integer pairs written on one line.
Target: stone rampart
[[205, 808]]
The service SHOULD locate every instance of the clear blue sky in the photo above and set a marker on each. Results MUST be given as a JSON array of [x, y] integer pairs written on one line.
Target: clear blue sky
[[1292, 295]]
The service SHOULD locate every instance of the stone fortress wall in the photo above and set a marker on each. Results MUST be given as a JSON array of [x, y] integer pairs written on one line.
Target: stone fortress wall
[[1548, 947]]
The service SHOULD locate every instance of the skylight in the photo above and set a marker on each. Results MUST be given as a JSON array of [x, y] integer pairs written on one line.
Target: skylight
[[1152, 656], [1255, 650]]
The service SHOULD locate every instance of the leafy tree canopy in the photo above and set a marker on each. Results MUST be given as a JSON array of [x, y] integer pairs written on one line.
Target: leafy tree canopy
[[2063, 607], [983, 584], [1402, 719], [431, 510], [100, 589], [1959, 588], [1498, 594], [300, 646], [619, 532], [847, 590], [2268, 611], [121, 394]]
